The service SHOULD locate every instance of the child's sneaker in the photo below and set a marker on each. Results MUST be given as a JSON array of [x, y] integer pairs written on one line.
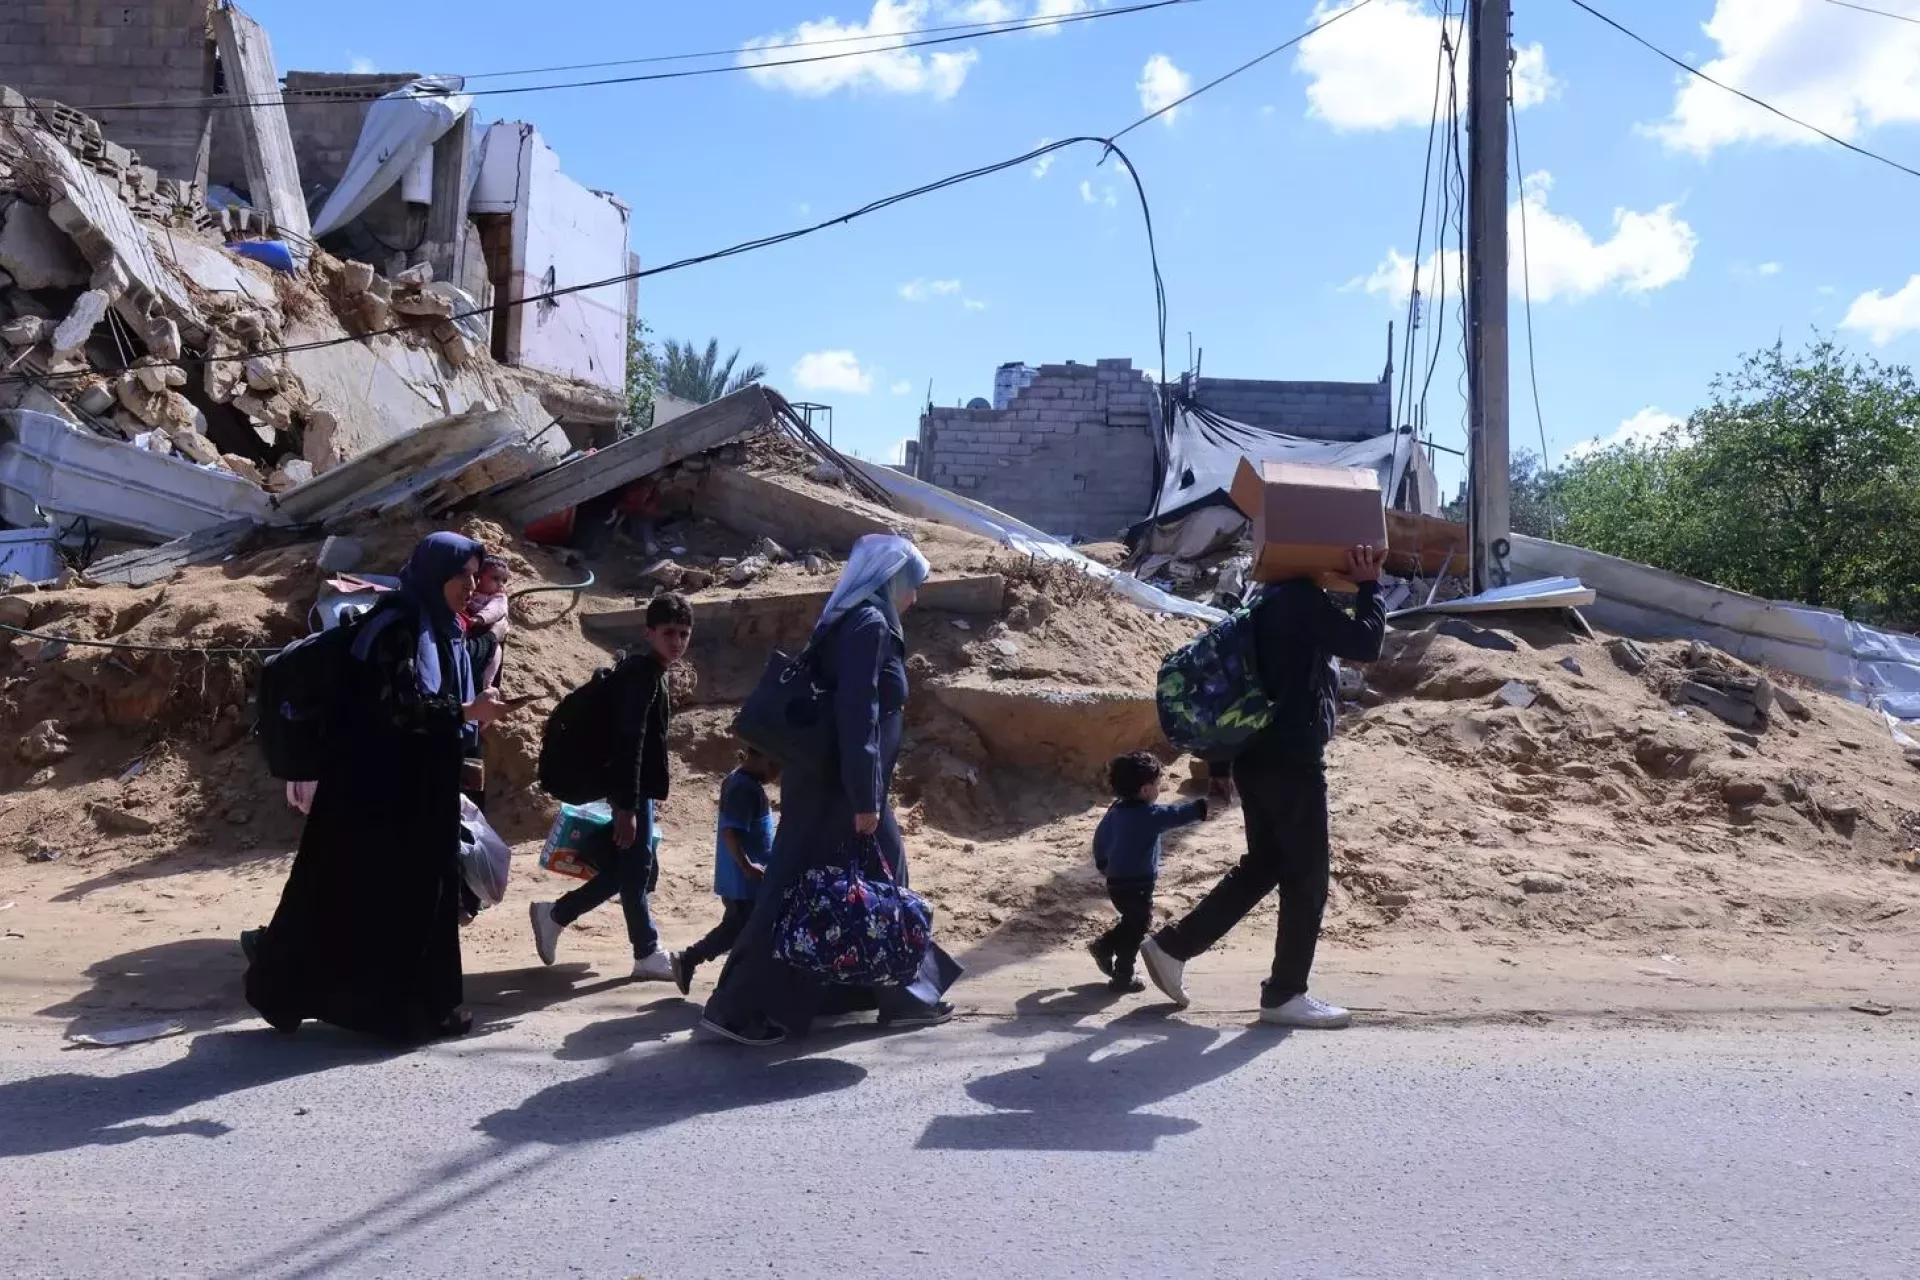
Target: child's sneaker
[[1126, 986], [1102, 959]]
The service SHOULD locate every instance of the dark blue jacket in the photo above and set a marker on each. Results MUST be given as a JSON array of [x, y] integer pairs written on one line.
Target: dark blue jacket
[[1127, 843]]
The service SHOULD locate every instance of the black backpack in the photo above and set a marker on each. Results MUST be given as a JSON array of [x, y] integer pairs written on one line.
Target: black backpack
[[577, 742], [300, 687]]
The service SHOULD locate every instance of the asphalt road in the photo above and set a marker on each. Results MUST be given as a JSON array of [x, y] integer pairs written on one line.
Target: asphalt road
[[1035, 1146]]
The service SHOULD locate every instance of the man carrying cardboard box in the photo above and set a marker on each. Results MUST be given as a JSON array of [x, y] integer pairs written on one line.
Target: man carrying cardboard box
[[1298, 632]]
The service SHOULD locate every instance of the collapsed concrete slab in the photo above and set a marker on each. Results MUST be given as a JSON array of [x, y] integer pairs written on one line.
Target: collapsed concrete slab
[[638, 456], [36, 253], [427, 467], [763, 507], [51, 472], [273, 172]]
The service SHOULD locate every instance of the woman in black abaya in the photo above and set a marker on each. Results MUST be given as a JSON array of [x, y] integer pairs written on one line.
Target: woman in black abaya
[[367, 936]]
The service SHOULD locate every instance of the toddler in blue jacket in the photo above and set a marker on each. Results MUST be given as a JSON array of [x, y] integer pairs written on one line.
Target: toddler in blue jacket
[[1126, 848]]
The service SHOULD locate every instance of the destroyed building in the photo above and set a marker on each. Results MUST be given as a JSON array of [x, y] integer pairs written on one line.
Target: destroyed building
[[184, 346], [189, 90], [1082, 450]]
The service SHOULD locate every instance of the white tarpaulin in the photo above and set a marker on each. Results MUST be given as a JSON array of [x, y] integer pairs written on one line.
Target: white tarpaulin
[[928, 502], [400, 128], [1878, 668]]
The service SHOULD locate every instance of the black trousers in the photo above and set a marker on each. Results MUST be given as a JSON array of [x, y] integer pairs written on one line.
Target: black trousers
[[1133, 899], [1287, 849], [718, 943], [632, 873]]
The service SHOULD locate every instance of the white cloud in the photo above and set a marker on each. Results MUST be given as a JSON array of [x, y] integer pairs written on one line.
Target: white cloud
[[901, 388], [832, 371], [1161, 84], [1646, 251], [1058, 9], [1769, 268], [1845, 72], [1045, 162], [363, 66], [987, 11], [1103, 195], [1648, 426], [1886, 316], [1376, 69], [973, 304], [890, 69], [922, 290]]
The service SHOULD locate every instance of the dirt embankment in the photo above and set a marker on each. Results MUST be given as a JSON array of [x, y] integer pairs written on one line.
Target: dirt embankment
[[132, 807]]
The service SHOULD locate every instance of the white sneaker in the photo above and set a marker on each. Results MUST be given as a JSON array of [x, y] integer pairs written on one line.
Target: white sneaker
[[546, 931], [1306, 1012], [657, 967], [1167, 973]]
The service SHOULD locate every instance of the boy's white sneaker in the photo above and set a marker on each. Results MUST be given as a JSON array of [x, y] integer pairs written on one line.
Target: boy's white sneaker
[[1167, 973], [546, 931], [657, 967], [1305, 1012]]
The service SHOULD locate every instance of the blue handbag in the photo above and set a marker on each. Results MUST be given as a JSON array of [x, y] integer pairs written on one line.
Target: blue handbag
[[843, 927]]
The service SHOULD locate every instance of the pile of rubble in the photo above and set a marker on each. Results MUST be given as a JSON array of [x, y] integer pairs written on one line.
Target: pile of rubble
[[141, 188]]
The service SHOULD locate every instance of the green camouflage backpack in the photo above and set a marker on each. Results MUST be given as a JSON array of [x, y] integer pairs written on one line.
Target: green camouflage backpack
[[1210, 697]]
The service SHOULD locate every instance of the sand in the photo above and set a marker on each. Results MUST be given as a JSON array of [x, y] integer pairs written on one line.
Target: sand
[[1594, 832]]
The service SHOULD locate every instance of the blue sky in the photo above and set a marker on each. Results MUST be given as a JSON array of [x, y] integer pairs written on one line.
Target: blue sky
[[1676, 228]]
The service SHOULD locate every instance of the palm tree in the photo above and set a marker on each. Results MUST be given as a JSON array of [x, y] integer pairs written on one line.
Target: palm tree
[[703, 377]]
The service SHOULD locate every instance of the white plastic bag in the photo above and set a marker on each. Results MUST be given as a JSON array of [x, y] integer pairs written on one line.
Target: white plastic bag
[[484, 857]]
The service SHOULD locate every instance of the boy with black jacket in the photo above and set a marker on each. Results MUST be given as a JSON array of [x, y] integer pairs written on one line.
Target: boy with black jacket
[[1282, 779], [636, 772]]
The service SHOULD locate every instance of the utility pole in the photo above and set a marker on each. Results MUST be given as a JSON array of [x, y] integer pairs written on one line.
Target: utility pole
[[1488, 518]]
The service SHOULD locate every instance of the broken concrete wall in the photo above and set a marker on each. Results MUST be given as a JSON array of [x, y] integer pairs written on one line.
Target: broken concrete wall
[[89, 53], [325, 111], [1074, 453], [561, 235], [1315, 410]]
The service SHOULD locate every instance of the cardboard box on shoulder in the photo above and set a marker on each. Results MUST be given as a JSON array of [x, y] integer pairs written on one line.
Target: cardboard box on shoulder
[[1306, 518]]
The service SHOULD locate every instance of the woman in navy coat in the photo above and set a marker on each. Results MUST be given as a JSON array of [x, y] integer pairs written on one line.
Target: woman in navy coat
[[860, 654]]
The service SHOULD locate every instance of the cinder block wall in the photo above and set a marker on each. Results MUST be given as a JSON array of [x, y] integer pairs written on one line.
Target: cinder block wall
[[325, 111], [89, 54], [1074, 453], [1317, 410]]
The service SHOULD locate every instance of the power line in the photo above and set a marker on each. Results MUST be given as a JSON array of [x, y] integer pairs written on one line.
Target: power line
[[1526, 282], [324, 97], [748, 246], [1863, 8], [1692, 70]]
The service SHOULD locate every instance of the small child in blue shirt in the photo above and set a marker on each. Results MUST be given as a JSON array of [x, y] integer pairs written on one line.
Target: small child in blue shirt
[[741, 846], [1126, 847]]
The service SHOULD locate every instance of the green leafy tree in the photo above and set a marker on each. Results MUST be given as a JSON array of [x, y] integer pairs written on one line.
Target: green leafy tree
[[1799, 481], [643, 378], [1530, 487], [701, 375]]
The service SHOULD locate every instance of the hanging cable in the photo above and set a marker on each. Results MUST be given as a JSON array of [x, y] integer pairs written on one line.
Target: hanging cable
[[1881, 13], [329, 97], [748, 246], [1526, 284], [1692, 70]]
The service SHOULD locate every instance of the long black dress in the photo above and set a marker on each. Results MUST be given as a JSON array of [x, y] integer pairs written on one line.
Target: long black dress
[[864, 662], [367, 935]]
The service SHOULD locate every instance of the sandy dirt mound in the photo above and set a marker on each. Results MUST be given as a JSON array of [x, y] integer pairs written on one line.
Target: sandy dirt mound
[[131, 797]]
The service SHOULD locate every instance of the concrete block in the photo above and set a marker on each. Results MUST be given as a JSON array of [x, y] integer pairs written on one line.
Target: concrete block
[[37, 253]]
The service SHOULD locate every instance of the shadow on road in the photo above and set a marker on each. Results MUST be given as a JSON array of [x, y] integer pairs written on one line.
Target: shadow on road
[[68, 1111], [1091, 1094], [609, 1039], [195, 981], [682, 1081]]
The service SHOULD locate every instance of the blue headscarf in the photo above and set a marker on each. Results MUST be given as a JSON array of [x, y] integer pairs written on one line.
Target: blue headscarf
[[883, 570], [423, 580]]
